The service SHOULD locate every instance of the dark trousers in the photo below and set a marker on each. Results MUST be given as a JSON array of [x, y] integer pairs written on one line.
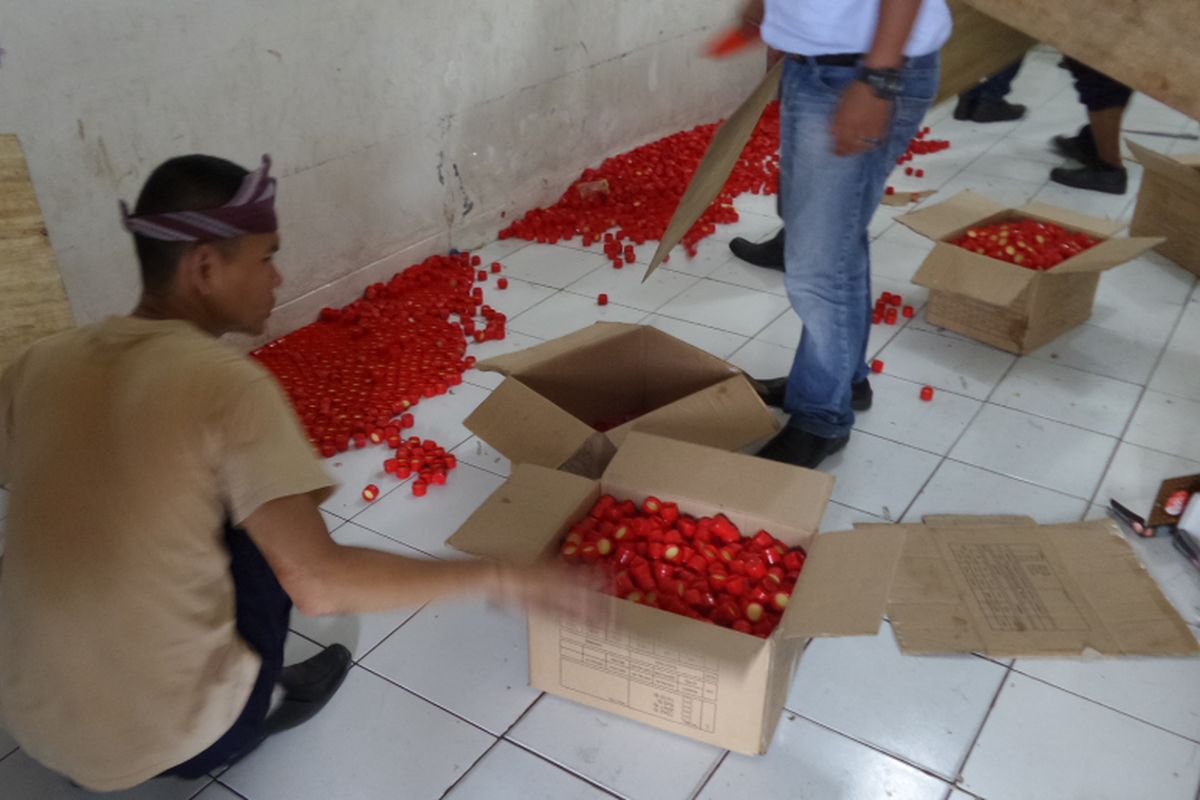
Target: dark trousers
[[263, 610], [996, 87], [1096, 90]]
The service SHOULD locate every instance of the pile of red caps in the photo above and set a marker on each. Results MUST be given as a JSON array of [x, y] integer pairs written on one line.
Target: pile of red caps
[[640, 190], [920, 146], [700, 568], [1027, 243], [354, 374], [426, 459], [888, 307]]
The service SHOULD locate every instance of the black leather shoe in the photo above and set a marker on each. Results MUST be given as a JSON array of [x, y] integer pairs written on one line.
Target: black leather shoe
[[308, 686], [767, 254], [774, 389], [1081, 147], [1094, 177], [993, 110], [963, 108], [801, 448]]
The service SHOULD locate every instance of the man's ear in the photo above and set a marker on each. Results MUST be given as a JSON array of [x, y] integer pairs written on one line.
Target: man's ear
[[196, 268]]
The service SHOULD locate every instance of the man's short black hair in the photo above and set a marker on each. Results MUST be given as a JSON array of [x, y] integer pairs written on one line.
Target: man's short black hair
[[185, 183]]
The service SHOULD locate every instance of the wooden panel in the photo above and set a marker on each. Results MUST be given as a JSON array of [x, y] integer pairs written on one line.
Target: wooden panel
[[1147, 45], [979, 47], [31, 291]]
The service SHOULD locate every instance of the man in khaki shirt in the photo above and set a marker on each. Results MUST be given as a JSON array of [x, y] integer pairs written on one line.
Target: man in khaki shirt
[[164, 513]]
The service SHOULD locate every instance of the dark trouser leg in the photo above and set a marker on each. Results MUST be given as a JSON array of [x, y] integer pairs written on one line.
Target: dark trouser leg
[[263, 609], [996, 87]]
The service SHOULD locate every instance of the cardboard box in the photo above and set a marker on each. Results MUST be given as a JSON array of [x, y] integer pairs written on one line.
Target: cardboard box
[[1002, 304], [1168, 204], [997, 585], [569, 403]]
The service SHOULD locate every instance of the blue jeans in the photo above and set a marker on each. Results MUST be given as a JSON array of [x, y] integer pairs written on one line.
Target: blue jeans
[[827, 202]]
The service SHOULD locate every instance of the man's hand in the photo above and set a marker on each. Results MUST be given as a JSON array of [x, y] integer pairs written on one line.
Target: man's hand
[[552, 588], [861, 121]]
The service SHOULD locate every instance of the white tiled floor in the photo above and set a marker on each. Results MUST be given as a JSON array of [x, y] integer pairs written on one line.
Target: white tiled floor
[[1107, 410]]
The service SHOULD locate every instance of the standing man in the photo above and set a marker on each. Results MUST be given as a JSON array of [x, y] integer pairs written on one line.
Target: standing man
[[859, 77], [1097, 146], [164, 513]]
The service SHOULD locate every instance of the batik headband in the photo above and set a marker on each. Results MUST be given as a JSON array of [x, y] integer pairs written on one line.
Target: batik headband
[[251, 210]]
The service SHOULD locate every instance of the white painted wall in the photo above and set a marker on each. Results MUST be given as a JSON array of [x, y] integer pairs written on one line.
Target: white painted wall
[[398, 128]]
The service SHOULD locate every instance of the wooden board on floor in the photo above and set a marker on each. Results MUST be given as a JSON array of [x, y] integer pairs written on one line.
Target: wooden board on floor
[[31, 290], [1149, 46], [980, 46]]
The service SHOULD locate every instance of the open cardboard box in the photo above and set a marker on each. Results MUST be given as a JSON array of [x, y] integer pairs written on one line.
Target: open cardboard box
[[569, 403], [1168, 204], [1005, 305], [997, 585]]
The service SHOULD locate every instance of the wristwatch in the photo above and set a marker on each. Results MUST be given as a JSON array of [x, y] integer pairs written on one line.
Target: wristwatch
[[885, 83]]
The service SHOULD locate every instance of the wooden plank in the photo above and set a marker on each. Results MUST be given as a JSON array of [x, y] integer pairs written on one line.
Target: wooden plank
[[980, 46], [1149, 46], [31, 290]]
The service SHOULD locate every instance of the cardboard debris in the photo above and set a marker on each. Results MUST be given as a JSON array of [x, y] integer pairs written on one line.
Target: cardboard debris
[[31, 291], [1010, 587], [559, 398], [1002, 304], [906, 198], [1168, 204]]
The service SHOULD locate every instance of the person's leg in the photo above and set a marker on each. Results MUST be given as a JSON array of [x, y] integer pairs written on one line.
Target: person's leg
[[1105, 100], [830, 200], [263, 609], [986, 103]]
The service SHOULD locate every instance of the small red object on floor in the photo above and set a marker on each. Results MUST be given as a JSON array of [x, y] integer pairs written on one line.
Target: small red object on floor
[[877, 366], [896, 300], [891, 317], [420, 488], [927, 393], [495, 266], [502, 283], [602, 299], [476, 261], [908, 170], [909, 312], [481, 275], [370, 492], [920, 173], [890, 190]]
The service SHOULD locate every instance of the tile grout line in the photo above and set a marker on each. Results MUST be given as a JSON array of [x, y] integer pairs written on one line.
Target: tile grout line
[[227, 787], [709, 776], [1113, 709], [986, 717], [1136, 407]]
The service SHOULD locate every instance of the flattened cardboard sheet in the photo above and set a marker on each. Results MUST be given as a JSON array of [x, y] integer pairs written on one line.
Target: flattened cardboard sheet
[[717, 165], [1030, 590]]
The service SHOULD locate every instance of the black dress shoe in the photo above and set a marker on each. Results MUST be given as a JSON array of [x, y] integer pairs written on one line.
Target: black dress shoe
[[801, 448], [774, 389], [964, 107], [996, 110], [308, 686], [1094, 177], [767, 254], [1081, 147]]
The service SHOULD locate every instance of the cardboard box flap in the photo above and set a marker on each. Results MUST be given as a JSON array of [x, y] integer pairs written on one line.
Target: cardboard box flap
[[1181, 171], [952, 269], [1016, 590], [844, 586], [681, 471], [521, 518], [518, 362], [744, 417], [975, 521], [941, 220], [1107, 255], [1097, 226], [526, 427]]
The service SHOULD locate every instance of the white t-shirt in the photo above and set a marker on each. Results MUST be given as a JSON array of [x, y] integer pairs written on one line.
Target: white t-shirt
[[823, 27]]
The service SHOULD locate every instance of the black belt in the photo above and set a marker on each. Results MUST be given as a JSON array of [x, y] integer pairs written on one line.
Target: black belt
[[832, 60]]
